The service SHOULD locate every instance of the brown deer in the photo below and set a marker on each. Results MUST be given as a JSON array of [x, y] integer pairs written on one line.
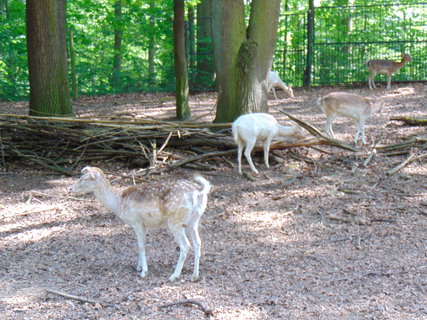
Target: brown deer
[[348, 105], [387, 67]]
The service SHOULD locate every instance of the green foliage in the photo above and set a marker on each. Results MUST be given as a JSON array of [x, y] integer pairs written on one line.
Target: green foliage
[[347, 36], [13, 53], [94, 38], [377, 30]]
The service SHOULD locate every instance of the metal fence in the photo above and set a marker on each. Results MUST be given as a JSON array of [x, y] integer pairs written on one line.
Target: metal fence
[[345, 37]]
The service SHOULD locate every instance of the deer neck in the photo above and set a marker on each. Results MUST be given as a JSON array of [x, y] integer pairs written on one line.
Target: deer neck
[[108, 197]]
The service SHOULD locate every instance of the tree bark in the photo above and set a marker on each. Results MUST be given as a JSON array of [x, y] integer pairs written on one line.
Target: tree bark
[[205, 66], [181, 73], [47, 58], [118, 36], [243, 57], [151, 45], [228, 33]]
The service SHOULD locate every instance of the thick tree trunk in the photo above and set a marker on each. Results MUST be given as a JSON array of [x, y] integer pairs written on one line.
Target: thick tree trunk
[[118, 36], [181, 73], [47, 58], [228, 32], [243, 57]]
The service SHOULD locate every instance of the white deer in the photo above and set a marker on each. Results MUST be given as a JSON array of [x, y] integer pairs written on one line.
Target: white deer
[[253, 127], [387, 67], [177, 204], [348, 105], [274, 81]]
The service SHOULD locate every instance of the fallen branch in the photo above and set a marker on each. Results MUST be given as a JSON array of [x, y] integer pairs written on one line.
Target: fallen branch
[[323, 140], [407, 161], [205, 309], [70, 296], [411, 121]]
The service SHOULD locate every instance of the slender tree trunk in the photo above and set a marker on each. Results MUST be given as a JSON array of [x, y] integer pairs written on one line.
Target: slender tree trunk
[[191, 40], [47, 58], [73, 66], [181, 73], [151, 44], [310, 44], [116, 78], [205, 65], [243, 57]]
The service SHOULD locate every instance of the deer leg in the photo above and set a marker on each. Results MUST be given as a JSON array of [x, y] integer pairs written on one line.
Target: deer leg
[[239, 155], [140, 232], [328, 125], [193, 233], [266, 148], [249, 146], [389, 82], [274, 92], [184, 245]]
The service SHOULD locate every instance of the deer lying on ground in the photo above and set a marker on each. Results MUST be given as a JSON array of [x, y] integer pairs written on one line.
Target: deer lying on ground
[[253, 127], [176, 204], [387, 67], [274, 81], [348, 105]]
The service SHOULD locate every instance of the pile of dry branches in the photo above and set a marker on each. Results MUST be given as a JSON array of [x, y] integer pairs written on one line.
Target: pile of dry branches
[[59, 144]]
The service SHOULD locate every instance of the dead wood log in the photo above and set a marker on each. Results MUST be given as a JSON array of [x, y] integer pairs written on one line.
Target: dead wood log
[[410, 121]]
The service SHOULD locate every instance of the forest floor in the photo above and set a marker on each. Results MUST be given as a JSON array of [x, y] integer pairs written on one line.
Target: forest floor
[[319, 235]]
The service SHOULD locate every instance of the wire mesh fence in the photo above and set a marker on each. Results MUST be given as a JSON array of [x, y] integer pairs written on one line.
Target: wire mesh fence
[[346, 37]]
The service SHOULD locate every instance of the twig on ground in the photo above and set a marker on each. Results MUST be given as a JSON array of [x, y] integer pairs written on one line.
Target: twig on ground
[[372, 154], [70, 296], [407, 161], [28, 212], [249, 176], [316, 243], [347, 220], [205, 309]]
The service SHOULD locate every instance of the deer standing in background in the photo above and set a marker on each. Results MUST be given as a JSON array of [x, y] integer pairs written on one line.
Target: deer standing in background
[[387, 67], [348, 105], [274, 81]]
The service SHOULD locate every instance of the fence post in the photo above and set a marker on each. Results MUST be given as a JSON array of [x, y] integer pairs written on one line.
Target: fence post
[[310, 44]]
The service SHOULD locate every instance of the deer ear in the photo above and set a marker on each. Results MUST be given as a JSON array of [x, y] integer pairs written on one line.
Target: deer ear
[[89, 171]]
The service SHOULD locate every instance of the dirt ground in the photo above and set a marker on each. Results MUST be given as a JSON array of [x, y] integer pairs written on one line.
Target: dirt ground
[[316, 236]]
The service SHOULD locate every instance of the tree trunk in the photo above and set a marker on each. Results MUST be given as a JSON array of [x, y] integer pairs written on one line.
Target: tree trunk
[[228, 33], [151, 45], [205, 67], [73, 65], [118, 36], [310, 44], [181, 73], [243, 57], [47, 58]]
